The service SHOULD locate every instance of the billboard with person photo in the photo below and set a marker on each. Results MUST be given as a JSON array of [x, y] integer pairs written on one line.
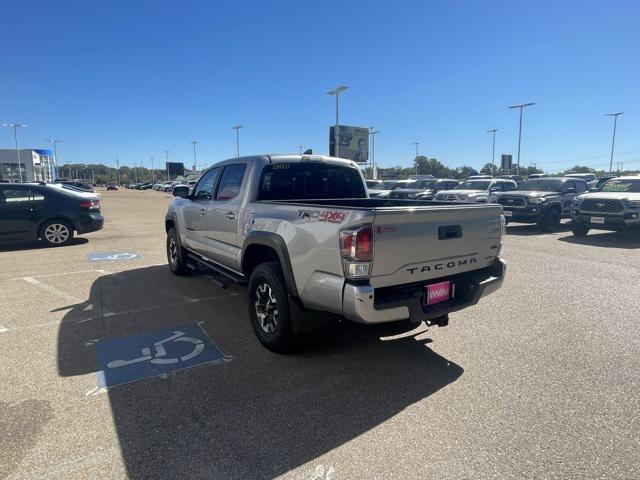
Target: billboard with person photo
[[353, 143]]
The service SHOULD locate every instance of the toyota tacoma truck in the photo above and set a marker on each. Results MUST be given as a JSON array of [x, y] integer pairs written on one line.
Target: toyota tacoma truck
[[615, 206], [303, 234], [480, 190], [545, 201]]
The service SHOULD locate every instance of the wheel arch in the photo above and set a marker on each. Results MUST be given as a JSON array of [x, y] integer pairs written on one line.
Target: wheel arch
[[262, 247], [55, 217]]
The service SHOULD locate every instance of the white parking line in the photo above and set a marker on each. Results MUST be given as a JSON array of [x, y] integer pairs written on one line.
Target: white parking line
[[125, 312], [61, 294], [55, 274], [3, 329], [50, 289]]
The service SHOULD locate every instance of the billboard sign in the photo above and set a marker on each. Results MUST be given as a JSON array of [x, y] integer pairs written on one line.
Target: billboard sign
[[506, 162], [354, 143], [175, 169]]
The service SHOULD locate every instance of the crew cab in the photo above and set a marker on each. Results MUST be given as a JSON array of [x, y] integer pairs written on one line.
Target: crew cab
[[49, 212], [311, 245], [544, 201], [481, 190], [615, 206], [423, 189]]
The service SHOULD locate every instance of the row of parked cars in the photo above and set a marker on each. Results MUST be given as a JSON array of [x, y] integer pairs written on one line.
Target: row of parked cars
[[607, 203], [166, 186]]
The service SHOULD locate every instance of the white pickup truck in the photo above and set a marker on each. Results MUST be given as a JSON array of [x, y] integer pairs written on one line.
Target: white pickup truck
[[302, 232]]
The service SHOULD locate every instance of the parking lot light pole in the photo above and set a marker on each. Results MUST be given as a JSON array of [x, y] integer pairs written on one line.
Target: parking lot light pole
[[373, 133], [493, 150], [193, 142], [417, 144], [337, 92], [237, 129], [613, 140], [15, 127], [53, 142], [153, 176], [521, 107], [300, 148]]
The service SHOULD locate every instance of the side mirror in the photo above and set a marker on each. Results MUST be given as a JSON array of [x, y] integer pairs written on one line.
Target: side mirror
[[495, 189], [181, 191], [570, 190], [593, 189]]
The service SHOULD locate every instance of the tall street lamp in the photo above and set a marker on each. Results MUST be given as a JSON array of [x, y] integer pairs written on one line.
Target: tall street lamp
[[15, 127], [521, 107], [153, 175], [493, 151], [193, 142], [300, 148], [417, 144], [237, 129], [53, 142], [337, 92], [372, 133], [613, 140]]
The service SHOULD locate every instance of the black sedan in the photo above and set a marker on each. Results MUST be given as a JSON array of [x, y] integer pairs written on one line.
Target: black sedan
[[46, 212]]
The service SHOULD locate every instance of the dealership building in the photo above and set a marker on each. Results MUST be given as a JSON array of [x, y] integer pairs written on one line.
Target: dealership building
[[37, 165]]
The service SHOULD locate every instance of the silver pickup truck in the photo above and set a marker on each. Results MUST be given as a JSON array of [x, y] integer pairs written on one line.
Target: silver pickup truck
[[302, 232]]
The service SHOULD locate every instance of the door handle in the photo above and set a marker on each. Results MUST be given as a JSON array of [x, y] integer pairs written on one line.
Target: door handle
[[230, 215], [203, 211]]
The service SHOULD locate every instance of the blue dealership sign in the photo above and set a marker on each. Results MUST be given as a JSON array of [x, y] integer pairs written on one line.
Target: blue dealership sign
[[150, 354]]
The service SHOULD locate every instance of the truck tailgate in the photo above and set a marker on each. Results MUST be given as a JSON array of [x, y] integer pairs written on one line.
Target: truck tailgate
[[421, 243]]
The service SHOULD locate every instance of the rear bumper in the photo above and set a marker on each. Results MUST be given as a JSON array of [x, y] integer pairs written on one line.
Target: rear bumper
[[89, 223], [621, 222], [365, 304]]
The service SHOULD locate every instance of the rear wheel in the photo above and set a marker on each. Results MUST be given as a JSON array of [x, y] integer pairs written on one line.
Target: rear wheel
[[268, 303], [579, 229], [56, 233], [550, 222], [176, 255]]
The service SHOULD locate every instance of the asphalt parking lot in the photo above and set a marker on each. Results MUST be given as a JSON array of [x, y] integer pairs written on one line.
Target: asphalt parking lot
[[539, 380]]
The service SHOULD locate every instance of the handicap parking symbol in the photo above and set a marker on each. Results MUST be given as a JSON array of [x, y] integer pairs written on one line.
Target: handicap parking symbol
[[113, 256], [150, 354]]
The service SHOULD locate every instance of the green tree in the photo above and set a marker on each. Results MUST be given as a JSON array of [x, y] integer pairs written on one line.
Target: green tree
[[489, 169], [465, 171], [580, 169]]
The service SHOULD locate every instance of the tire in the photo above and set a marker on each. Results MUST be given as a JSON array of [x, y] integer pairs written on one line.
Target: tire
[[176, 255], [268, 304], [579, 229], [551, 221], [56, 233]]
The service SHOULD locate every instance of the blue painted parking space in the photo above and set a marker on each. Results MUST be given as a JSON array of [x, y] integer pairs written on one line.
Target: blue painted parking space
[[113, 256], [149, 354]]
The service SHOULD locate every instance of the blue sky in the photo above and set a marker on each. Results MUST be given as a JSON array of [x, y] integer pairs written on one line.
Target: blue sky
[[131, 79]]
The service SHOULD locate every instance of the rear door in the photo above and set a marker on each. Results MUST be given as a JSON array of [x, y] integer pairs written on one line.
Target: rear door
[[20, 211], [196, 209], [222, 217], [567, 197], [424, 243]]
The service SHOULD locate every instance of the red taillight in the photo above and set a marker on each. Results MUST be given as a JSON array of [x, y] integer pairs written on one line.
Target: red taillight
[[91, 205], [357, 244]]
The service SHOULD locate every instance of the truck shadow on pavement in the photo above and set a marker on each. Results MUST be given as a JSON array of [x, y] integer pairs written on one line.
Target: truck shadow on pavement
[[628, 240], [257, 416]]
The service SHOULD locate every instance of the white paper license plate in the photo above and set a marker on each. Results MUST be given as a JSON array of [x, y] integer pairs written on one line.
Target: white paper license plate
[[597, 219], [507, 213]]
